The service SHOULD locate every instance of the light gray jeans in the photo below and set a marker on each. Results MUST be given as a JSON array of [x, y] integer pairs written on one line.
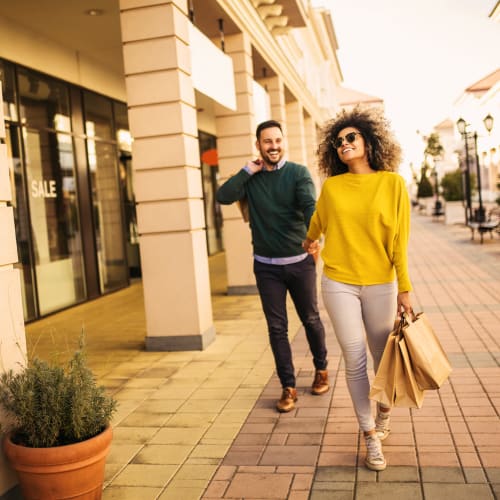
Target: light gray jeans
[[360, 315]]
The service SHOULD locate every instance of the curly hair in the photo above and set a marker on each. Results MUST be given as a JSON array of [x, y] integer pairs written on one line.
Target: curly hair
[[383, 149]]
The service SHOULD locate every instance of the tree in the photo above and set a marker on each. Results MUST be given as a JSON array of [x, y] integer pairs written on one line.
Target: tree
[[434, 148], [424, 189]]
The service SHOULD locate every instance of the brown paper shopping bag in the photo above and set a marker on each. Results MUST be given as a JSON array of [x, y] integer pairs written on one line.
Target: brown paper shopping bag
[[408, 394], [430, 363], [394, 383], [384, 385]]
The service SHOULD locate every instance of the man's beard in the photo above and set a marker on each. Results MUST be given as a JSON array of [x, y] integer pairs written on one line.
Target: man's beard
[[271, 162]]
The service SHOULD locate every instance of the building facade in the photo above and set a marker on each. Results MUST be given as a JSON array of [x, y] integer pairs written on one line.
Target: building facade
[[118, 124], [478, 101]]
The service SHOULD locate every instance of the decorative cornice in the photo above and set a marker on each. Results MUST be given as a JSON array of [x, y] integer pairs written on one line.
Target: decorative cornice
[[248, 20]]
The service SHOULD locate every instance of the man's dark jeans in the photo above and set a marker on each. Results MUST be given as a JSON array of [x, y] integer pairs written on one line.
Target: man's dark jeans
[[273, 282]]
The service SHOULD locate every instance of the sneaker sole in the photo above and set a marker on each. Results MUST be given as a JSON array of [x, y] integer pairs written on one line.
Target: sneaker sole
[[375, 467], [383, 436]]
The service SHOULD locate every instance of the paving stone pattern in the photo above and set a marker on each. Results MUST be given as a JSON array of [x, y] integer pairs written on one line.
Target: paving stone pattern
[[195, 425]]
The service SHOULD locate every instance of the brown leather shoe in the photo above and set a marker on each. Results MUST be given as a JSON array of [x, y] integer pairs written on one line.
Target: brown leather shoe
[[287, 401], [320, 384]]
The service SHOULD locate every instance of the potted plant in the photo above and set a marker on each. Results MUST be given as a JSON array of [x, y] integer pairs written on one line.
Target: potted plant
[[61, 432]]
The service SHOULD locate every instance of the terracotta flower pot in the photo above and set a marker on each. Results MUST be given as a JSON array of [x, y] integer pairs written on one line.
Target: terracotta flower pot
[[73, 471]]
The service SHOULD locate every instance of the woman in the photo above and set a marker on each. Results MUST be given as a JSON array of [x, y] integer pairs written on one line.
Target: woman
[[363, 211]]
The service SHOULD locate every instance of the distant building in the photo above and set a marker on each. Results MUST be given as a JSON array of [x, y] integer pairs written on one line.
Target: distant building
[[349, 98], [478, 101], [448, 162]]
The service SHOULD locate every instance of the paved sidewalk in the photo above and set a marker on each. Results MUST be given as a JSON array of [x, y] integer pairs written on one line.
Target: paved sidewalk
[[197, 425]]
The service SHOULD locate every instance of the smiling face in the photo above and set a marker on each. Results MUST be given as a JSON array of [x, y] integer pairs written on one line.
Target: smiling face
[[350, 145], [271, 146]]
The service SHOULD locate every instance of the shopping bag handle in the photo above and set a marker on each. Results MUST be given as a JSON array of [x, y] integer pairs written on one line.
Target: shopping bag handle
[[407, 319]]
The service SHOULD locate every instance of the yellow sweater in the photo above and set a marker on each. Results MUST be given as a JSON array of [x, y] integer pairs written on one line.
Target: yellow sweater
[[366, 222]]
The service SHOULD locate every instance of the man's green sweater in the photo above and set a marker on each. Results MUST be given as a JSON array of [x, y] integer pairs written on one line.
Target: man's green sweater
[[280, 204]]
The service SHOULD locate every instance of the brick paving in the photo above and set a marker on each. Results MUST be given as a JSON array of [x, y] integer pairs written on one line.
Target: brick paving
[[202, 425]]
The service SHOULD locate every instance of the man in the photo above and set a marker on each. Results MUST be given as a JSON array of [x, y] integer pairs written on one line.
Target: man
[[281, 200]]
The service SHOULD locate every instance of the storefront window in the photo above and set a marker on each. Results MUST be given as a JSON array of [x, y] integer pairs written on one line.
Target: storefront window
[[54, 219], [124, 140], [105, 189], [18, 188], [8, 91], [210, 173], [21, 219], [44, 101], [69, 153], [98, 116]]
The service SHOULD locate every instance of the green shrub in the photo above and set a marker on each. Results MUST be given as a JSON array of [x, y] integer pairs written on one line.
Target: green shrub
[[53, 405], [424, 188], [452, 186]]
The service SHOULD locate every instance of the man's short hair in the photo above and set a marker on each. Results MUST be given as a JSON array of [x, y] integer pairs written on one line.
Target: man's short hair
[[267, 124]]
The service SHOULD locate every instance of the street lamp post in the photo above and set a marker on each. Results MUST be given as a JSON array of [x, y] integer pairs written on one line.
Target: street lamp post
[[461, 125], [462, 128], [480, 217]]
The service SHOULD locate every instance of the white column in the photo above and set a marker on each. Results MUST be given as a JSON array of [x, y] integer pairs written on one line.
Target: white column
[[295, 133], [167, 177], [235, 146], [311, 138], [276, 90]]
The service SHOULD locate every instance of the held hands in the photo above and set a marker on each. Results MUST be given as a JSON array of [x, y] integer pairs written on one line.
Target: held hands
[[311, 246]]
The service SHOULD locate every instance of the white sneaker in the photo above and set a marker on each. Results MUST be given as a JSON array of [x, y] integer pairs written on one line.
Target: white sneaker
[[374, 457], [382, 423]]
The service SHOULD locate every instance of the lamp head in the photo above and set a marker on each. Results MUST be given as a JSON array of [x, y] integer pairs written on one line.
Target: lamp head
[[488, 122], [461, 125]]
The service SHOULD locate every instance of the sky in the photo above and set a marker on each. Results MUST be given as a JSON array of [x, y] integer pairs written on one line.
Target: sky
[[419, 56]]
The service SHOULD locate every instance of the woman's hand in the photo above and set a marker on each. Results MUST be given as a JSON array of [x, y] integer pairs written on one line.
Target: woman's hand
[[404, 304]]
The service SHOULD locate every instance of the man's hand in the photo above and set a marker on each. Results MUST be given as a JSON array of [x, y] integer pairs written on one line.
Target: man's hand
[[255, 165]]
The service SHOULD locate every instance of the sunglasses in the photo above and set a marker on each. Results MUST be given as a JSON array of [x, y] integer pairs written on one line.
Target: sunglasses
[[350, 138]]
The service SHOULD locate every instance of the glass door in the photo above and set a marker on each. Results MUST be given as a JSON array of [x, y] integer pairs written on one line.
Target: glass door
[[124, 140], [131, 232], [105, 191], [210, 174], [49, 160], [55, 224]]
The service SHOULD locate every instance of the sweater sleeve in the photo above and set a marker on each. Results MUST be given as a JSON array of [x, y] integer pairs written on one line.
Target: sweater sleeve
[[306, 194], [315, 226], [233, 189], [401, 240]]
